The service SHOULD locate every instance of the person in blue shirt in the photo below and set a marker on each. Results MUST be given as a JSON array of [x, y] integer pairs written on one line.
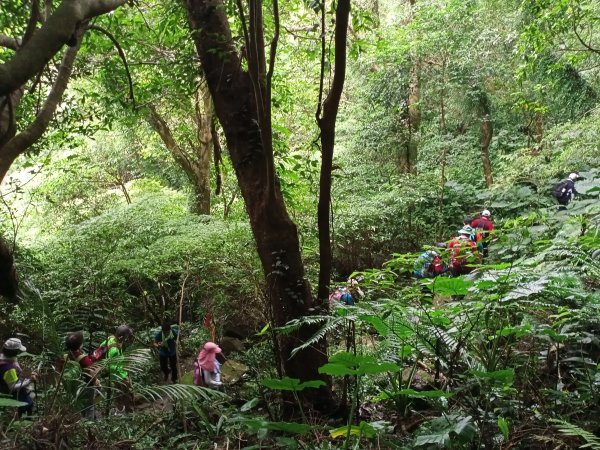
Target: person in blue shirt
[[166, 341]]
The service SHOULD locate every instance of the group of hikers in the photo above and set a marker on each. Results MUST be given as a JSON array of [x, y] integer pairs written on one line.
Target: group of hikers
[[92, 377], [469, 247]]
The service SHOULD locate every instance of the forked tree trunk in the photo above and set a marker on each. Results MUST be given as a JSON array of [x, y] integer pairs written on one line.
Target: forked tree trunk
[[242, 104], [195, 160]]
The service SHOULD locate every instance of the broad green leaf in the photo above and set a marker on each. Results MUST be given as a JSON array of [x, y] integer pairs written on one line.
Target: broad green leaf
[[291, 384]]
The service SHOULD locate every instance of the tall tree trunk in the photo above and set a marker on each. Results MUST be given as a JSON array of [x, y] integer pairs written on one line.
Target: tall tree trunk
[[414, 108], [326, 122], [487, 132], [242, 103]]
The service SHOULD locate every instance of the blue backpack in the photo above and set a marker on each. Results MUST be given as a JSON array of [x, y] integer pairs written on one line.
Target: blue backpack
[[347, 299]]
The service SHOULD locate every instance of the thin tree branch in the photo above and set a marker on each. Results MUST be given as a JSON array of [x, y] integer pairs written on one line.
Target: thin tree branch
[[121, 55], [9, 42], [273, 50], [22, 141], [582, 42], [33, 19], [49, 39]]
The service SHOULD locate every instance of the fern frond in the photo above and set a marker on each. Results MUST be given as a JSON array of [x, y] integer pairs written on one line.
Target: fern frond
[[333, 324], [178, 392], [568, 429]]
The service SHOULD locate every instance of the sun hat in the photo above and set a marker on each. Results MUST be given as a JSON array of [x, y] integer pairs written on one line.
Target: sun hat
[[465, 230], [14, 344]]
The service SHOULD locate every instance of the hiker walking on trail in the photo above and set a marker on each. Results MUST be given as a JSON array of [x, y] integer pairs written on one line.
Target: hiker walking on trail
[[118, 378], [565, 191], [113, 347], [483, 228], [429, 264], [463, 252], [166, 341], [11, 382], [74, 342], [207, 369]]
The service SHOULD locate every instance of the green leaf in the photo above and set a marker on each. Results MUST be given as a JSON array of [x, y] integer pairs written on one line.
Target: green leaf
[[503, 425], [249, 404], [505, 375], [450, 286], [425, 394], [377, 323], [10, 403], [264, 330], [291, 384]]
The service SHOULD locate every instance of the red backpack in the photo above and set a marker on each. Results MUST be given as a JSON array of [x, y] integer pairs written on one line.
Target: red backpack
[[102, 351]]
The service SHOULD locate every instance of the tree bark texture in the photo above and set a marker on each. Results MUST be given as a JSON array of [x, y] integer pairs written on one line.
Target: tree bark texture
[[9, 285], [326, 123], [49, 39], [243, 108]]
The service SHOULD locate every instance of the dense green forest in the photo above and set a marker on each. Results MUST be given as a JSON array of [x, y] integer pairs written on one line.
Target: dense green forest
[[267, 175]]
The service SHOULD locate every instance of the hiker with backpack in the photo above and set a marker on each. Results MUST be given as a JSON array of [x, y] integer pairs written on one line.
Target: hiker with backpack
[[207, 369], [463, 252], [166, 341], [113, 347], [11, 381], [74, 342], [118, 376], [483, 228], [565, 191], [429, 264]]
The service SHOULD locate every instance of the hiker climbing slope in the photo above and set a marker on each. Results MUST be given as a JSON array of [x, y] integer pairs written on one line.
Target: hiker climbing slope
[[483, 227], [166, 341], [565, 191], [463, 252], [429, 264], [74, 342], [207, 367]]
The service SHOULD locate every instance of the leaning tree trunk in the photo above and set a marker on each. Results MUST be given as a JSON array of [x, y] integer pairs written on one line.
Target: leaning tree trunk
[[195, 162], [242, 104]]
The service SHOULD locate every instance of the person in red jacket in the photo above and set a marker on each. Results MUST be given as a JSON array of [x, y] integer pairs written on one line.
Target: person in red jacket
[[74, 342], [463, 252], [483, 227]]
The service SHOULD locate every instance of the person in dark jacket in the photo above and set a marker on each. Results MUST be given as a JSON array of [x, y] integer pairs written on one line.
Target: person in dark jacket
[[566, 191], [166, 341]]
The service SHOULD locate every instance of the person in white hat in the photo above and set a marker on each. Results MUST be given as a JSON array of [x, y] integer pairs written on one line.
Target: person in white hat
[[483, 227], [11, 381], [565, 191], [463, 251]]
